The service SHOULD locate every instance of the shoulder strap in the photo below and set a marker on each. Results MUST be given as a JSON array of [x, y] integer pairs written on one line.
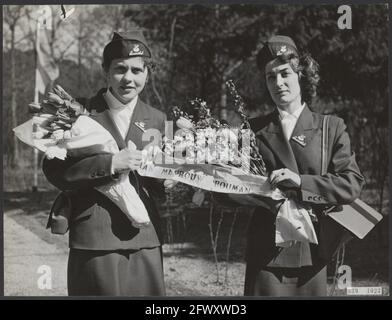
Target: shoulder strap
[[324, 145], [345, 236]]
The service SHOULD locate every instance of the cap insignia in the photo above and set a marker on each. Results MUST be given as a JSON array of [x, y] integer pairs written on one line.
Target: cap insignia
[[282, 50], [136, 50]]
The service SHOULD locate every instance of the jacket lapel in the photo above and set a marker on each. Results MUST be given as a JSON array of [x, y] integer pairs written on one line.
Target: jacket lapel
[[137, 126], [273, 136], [102, 115], [304, 131]]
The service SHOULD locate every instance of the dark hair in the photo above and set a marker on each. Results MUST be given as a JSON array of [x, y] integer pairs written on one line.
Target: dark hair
[[148, 62], [308, 73]]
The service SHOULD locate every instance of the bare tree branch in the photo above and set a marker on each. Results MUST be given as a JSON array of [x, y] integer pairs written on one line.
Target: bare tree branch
[[64, 51], [231, 68], [156, 91], [172, 29]]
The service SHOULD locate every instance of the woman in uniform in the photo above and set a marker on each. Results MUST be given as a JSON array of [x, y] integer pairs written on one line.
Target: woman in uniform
[[108, 256], [289, 139]]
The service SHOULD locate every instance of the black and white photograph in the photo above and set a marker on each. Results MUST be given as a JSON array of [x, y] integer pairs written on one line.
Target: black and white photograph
[[196, 150]]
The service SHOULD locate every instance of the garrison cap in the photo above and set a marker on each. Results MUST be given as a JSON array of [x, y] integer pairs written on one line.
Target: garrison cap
[[275, 47], [126, 45]]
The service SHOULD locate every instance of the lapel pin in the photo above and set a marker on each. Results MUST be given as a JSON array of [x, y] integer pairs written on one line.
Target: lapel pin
[[141, 125], [300, 140]]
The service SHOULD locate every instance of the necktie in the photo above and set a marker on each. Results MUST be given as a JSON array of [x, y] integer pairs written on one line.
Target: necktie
[[288, 123], [122, 118]]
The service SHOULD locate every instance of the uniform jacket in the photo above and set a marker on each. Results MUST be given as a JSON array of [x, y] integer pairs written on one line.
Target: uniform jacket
[[95, 222], [302, 154]]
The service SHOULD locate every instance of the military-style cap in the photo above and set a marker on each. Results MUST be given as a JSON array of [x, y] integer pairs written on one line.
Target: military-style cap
[[274, 47], [126, 45]]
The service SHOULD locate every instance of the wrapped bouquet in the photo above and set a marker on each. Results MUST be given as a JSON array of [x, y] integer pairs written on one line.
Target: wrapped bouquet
[[209, 154], [60, 127]]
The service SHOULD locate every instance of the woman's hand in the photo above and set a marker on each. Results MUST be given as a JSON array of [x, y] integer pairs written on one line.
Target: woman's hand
[[127, 159], [169, 183], [284, 178]]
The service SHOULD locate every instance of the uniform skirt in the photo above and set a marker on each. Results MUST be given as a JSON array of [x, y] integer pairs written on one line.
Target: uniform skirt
[[283, 282], [116, 273]]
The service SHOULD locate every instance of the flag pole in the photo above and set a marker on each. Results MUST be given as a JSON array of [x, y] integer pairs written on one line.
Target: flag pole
[[36, 100]]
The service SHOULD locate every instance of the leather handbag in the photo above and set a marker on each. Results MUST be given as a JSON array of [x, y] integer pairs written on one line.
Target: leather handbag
[[60, 213], [357, 218]]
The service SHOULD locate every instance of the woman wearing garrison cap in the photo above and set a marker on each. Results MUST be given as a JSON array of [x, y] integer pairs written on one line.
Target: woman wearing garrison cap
[[288, 247], [108, 256]]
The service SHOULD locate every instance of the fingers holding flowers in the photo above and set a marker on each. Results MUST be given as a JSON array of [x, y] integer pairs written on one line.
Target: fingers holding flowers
[[169, 183], [284, 178], [127, 159]]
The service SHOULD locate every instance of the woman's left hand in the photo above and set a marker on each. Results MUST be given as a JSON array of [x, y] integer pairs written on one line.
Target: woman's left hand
[[169, 183], [284, 178]]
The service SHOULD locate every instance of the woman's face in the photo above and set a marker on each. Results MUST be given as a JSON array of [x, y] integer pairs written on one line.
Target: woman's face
[[127, 78], [283, 83]]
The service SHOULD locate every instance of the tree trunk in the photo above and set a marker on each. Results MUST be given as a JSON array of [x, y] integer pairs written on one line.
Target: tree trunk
[[14, 120], [223, 101], [79, 64]]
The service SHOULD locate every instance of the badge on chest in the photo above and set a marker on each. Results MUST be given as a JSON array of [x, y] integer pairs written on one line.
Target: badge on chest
[[141, 125], [301, 140]]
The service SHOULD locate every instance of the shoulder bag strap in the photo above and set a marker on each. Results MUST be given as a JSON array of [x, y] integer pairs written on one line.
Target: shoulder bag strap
[[340, 251], [324, 145]]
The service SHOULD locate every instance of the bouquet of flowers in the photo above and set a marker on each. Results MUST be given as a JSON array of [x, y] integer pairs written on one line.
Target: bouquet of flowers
[[61, 126], [214, 140], [207, 153]]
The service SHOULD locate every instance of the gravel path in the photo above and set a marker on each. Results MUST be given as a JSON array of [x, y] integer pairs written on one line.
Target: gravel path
[[31, 251], [26, 254]]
